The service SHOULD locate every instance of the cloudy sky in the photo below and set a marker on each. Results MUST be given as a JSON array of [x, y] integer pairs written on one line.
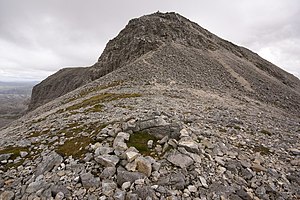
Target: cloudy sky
[[38, 37]]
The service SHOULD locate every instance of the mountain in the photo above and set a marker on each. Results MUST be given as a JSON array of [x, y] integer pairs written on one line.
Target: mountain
[[206, 62], [169, 111]]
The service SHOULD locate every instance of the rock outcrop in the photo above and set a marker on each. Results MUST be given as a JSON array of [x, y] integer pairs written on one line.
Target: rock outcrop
[[190, 116]]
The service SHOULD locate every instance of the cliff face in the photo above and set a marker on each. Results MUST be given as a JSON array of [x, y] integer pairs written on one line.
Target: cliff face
[[169, 111]]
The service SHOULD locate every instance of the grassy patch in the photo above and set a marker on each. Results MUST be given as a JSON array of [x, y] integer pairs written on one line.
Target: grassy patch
[[266, 132], [263, 150], [93, 89], [139, 141], [95, 100], [75, 147], [38, 133], [15, 151]]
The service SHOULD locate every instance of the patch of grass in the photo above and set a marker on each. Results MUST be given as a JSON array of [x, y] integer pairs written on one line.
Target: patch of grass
[[93, 89], [15, 151], [223, 130], [75, 147], [139, 141], [266, 132], [263, 150], [38, 133], [95, 108], [104, 97]]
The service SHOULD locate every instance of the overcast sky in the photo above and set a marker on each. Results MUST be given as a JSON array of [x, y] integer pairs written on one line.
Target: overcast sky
[[38, 37]]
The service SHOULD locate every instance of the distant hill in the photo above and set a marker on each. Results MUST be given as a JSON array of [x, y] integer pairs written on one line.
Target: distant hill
[[14, 99]]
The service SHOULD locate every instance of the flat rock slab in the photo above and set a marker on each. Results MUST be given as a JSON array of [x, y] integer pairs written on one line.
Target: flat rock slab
[[180, 159], [107, 160], [49, 162]]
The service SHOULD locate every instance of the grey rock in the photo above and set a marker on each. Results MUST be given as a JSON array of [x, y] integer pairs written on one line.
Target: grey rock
[[103, 151], [143, 166], [48, 163], [88, 180], [126, 185], [260, 191], [125, 176], [37, 185], [119, 142], [5, 156], [203, 181], [119, 194], [243, 194], [175, 180], [107, 160], [23, 154], [189, 144], [108, 187], [7, 195], [180, 159], [59, 196], [108, 172], [145, 192]]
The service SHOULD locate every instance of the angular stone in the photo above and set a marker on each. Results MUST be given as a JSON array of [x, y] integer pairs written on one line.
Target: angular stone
[[192, 188], [48, 163], [258, 168], [150, 144], [59, 196], [108, 172], [23, 154], [190, 145], [119, 195], [5, 156], [131, 155], [184, 133], [7, 195], [103, 151], [176, 180], [126, 176], [88, 180], [179, 159], [295, 151], [107, 160], [108, 187], [203, 181], [35, 186], [143, 166], [126, 185], [119, 142]]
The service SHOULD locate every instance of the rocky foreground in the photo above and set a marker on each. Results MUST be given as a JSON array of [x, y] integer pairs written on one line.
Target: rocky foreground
[[153, 141]]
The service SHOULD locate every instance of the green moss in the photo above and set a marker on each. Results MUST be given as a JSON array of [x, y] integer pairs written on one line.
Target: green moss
[[263, 150], [38, 133], [75, 147], [93, 89], [139, 141], [222, 130], [104, 97], [266, 132], [15, 151], [95, 108]]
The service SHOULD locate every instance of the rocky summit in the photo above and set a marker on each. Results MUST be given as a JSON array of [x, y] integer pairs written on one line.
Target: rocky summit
[[169, 111]]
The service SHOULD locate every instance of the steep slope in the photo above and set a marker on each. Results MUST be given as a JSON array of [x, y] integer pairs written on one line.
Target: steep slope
[[207, 55], [189, 116]]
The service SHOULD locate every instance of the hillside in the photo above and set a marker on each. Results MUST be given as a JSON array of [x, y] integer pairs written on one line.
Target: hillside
[[169, 111]]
